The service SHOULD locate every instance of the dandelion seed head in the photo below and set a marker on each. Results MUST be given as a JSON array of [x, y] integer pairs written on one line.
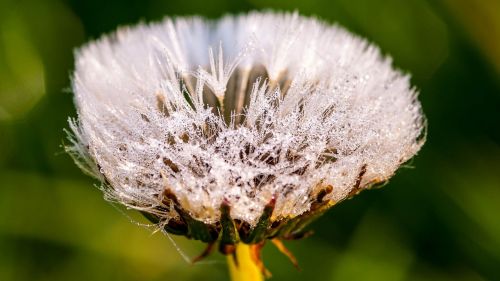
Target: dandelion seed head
[[240, 110]]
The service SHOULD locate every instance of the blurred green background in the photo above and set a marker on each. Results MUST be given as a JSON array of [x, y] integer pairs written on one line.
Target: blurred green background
[[439, 221]]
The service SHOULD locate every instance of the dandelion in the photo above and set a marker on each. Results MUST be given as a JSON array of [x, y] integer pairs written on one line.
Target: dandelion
[[242, 130]]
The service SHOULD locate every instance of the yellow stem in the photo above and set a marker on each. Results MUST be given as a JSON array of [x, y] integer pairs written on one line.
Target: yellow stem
[[244, 268]]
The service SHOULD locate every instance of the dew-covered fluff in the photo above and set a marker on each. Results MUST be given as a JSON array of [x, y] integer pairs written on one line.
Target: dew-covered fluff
[[239, 110]]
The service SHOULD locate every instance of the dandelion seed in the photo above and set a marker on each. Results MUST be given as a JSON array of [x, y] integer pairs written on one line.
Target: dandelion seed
[[242, 129]]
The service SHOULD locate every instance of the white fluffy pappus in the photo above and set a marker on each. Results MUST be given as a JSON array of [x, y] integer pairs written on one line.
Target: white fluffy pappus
[[239, 110]]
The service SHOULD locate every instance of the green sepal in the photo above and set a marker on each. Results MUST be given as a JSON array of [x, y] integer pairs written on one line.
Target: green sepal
[[229, 235], [172, 227], [273, 231], [306, 219], [258, 233], [295, 226], [287, 228], [150, 217], [196, 229]]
